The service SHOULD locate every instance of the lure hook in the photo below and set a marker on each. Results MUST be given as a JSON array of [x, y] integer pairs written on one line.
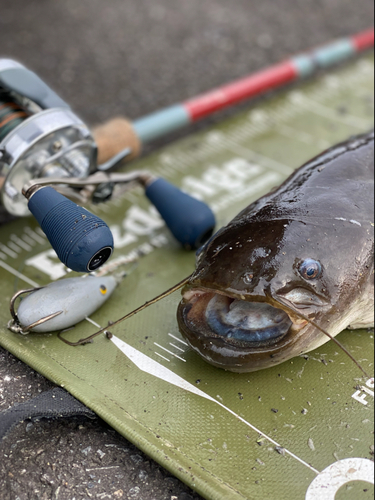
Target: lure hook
[[87, 340], [14, 325]]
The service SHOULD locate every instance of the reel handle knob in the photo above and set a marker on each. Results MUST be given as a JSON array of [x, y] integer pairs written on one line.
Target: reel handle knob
[[191, 221], [81, 240]]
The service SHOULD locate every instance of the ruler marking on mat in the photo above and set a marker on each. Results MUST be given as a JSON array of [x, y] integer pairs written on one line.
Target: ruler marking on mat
[[152, 367], [326, 112], [163, 357], [302, 136], [93, 322], [9, 252], [178, 340], [32, 234], [252, 155], [170, 352], [176, 347], [20, 242], [18, 274]]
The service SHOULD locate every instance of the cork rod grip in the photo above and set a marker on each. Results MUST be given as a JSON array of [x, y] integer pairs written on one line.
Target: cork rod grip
[[114, 136]]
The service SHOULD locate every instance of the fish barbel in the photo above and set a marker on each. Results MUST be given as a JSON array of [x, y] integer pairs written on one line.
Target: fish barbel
[[301, 256]]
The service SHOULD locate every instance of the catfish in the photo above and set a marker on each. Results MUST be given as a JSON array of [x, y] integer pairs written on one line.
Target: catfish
[[291, 270]]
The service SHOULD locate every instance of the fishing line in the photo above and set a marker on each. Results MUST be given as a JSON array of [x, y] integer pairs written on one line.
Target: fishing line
[[301, 315], [11, 114], [88, 340]]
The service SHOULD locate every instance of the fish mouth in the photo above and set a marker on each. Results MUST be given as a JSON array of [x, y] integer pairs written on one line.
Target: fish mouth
[[235, 333], [252, 322]]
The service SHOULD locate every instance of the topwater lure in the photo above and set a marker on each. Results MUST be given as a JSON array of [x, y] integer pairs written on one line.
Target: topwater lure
[[60, 305]]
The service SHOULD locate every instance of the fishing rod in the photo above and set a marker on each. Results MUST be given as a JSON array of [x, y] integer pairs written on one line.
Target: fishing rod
[[299, 67], [43, 143]]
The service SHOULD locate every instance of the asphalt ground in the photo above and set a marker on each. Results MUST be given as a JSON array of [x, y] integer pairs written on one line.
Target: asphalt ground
[[131, 58]]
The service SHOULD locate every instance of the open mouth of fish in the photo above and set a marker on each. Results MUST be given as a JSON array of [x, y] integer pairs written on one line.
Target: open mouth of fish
[[250, 323], [236, 334]]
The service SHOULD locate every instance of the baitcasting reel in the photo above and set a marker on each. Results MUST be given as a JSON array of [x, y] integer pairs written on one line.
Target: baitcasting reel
[[39, 136], [43, 143]]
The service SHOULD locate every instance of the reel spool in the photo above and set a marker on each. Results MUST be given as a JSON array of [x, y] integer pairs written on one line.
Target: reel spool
[[11, 114], [39, 136], [42, 142]]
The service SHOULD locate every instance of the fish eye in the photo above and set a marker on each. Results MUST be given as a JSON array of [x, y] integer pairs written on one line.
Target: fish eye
[[310, 269], [248, 278]]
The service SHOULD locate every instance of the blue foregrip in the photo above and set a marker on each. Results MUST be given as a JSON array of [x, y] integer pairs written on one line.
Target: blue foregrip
[[81, 240], [191, 221]]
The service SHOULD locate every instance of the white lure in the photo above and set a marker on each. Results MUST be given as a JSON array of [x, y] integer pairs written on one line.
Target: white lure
[[63, 304]]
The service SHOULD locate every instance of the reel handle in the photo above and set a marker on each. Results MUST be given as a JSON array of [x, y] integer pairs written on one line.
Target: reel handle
[[191, 221], [81, 240]]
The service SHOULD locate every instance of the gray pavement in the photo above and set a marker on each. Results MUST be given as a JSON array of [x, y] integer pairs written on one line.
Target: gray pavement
[[132, 57]]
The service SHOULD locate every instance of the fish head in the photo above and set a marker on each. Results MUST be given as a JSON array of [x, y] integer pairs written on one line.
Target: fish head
[[242, 309]]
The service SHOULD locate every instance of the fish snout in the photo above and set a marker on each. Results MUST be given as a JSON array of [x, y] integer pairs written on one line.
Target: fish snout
[[236, 334]]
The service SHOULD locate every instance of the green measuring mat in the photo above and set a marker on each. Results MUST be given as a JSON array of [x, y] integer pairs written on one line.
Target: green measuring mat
[[270, 434]]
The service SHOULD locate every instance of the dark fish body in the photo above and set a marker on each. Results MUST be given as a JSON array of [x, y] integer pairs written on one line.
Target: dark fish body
[[307, 246]]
